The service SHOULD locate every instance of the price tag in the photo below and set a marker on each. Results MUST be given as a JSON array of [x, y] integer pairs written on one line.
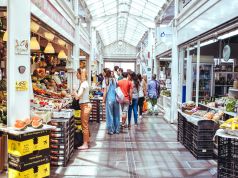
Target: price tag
[[21, 85]]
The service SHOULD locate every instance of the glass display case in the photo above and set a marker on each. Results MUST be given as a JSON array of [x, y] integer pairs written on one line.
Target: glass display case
[[205, 81]]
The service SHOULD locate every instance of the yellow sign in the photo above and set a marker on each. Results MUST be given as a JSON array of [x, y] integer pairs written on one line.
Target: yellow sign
[[21, 85]]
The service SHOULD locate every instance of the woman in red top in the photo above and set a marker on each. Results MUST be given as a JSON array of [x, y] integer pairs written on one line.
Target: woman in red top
[[126, 88]]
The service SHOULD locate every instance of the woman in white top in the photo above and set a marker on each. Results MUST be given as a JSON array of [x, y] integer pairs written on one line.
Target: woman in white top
[[142, 94], [85, 105]]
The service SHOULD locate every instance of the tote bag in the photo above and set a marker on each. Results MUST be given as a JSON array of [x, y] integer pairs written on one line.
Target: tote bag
[[120, 96]]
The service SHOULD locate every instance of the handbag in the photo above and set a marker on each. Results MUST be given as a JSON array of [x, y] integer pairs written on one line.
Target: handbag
[[119, 95], [75, 104], [145, 106]]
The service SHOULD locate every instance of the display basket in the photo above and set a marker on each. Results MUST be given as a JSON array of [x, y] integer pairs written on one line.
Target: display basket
[[231, 132]]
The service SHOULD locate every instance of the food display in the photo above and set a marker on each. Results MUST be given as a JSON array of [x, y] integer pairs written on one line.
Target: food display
[[166, 93]]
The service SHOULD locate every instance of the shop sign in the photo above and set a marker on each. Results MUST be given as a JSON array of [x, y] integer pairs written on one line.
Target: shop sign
[[21, 47], [84, 43], [46, 7], [21, 85]]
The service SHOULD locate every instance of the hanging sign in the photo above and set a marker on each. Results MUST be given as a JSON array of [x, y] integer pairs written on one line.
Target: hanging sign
[[21, 85], [21, 47], [226, 52]]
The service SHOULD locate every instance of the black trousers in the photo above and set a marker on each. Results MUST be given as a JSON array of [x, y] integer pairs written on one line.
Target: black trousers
[[140, 104]]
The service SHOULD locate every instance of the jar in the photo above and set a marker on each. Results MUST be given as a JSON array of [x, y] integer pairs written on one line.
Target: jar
[[235, 84]]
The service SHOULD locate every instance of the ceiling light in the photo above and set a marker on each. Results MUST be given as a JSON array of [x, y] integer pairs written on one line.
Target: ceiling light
[[61, 42], [5, 36], [120, 43], [49, 36], [34, 44], [62, 55], [228, 35], [34, 27], [49, 49]]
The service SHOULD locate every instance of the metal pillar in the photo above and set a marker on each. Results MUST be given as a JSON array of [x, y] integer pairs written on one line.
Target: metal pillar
[[198, 72], [18, 102], [189, 77]]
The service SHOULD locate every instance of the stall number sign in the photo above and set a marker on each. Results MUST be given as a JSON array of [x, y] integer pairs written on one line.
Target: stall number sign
[[21, 85], [183, 3]]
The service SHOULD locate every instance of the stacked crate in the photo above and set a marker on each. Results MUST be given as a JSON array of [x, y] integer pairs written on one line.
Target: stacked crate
[[203, 134], [28, 154], [198, 139], [94, 115], [181, 126], [227, 157], [62, 138]]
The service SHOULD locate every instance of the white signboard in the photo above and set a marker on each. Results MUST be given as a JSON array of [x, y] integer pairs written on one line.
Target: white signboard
[[21, 47]]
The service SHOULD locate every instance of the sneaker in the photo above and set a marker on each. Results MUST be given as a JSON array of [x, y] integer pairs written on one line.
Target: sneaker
[[110, 133], [136, 125], [140, 117]]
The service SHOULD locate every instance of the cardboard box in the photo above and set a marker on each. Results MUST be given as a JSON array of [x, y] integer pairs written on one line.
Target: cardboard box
[[41, 171], [25, 145], [28, 161]]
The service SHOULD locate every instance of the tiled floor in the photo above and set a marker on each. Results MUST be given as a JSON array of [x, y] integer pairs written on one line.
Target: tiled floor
[[150, 150]]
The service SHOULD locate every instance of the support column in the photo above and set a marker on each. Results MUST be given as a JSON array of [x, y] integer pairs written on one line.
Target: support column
[[181, 74], [18, 102], [189, 77], [174, 89], [93, 37], [151, 42], [198, 72]]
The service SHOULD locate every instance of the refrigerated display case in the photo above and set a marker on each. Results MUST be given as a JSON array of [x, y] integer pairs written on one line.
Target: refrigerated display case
[[205, 81]]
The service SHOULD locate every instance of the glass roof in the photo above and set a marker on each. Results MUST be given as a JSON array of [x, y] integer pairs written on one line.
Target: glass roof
[[125, 20]]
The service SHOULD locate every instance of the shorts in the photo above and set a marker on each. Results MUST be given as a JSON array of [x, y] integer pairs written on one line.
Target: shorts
[[124, 107]]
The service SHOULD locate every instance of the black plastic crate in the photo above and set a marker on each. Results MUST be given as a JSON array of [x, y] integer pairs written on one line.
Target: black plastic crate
[[203, 144], [228, 169], [202, 153], [206, 125]]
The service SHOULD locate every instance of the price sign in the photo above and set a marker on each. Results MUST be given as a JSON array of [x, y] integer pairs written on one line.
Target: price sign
[[21, 85]]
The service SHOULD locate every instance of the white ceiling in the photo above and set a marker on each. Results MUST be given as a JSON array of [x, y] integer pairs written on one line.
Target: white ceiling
[[123, 20]]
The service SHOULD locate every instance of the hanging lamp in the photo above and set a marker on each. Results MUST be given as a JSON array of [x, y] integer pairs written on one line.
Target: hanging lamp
[[5, 36], [34, 44], [49, 36], [34, 27], [49, 49], [61, 42], [62, 55]]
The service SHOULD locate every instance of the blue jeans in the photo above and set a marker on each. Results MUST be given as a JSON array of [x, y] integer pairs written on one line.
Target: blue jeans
[[113, 116], [134, 107]]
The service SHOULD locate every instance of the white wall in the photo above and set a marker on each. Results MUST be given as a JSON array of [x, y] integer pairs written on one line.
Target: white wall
[[204, 16], [116, 51]]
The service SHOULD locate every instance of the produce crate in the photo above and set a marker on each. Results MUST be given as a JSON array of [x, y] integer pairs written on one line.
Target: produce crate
[[62, 141], [227, 157]]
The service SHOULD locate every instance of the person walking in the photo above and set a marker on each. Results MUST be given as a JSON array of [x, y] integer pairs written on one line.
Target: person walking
[[153, 91], [112, 106], [142, 94], [126, 88], [120, 71], [85, 105], [134, 103]]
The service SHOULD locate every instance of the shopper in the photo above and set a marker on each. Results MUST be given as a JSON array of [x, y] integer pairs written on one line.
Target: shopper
[[134, 103], [85, 105], [100, 79], [112, 106], [153, 90], [126, 88], [142, 94], [120, 71], [116, 72]]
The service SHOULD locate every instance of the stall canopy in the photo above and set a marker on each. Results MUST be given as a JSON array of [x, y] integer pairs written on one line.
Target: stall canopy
[[123, 20]]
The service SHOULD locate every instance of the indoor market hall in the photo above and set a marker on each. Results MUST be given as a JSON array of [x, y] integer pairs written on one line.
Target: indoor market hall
[[118, 89]]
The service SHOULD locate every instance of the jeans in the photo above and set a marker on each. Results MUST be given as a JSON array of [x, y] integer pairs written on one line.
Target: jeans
[[113, 116], [134, 107], [140, 104]]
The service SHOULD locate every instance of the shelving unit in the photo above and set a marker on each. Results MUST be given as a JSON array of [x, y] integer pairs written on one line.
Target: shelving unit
[[205, 81]]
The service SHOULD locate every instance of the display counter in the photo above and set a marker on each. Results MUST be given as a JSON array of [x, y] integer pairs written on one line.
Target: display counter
[[196, 135], [165, 105]]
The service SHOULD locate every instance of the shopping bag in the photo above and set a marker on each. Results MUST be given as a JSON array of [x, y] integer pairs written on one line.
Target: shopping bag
[[145, 106], [75, 104], [78, 139], [120, 96], [150, 107]]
